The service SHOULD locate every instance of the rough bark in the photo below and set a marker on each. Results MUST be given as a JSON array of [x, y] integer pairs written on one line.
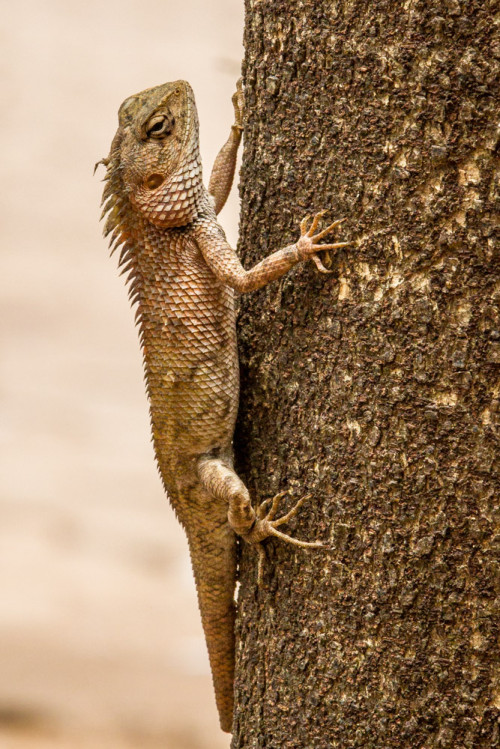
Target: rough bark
[[374, 389]]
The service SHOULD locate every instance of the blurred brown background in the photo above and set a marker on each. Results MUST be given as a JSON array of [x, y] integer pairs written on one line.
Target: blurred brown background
[[100, 639]]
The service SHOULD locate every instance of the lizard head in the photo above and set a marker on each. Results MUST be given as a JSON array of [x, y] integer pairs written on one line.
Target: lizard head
[[154, 163]]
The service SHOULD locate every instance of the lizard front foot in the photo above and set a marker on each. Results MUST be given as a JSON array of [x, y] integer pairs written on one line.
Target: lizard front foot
[[307, 245], [265, 526], [238, 100]]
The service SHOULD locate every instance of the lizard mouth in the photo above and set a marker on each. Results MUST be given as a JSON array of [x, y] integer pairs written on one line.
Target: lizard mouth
[[154, 181]]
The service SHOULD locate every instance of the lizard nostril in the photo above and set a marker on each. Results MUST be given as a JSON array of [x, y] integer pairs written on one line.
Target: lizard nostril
[[154, 181]]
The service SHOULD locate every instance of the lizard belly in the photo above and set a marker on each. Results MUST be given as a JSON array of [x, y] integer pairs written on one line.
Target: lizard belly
[[191, 362], [193, 409]]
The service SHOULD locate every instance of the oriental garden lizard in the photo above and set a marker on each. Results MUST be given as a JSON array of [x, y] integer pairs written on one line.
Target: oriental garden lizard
[[183, 277]]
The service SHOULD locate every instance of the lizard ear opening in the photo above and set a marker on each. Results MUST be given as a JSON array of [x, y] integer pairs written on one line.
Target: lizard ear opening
[[154, 181]]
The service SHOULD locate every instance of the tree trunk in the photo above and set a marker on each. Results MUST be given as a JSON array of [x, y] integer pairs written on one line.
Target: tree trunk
[[374, 389]]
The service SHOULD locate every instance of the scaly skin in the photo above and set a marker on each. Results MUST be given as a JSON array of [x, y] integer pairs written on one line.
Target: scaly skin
[[183, 275]]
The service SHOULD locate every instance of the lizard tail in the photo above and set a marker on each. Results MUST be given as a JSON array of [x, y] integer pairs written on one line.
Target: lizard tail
[[213, 557]]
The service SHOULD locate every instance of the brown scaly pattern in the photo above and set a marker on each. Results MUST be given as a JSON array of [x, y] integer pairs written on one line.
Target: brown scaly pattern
[[182, 276]]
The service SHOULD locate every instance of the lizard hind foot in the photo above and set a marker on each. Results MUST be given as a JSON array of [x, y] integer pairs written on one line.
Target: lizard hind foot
[[266, 525]]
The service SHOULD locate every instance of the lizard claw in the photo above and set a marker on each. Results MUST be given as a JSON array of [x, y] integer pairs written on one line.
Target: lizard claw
[[266, 525], [319, 265]]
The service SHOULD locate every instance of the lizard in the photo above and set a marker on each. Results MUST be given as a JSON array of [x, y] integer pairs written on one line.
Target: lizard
[[182, 278]]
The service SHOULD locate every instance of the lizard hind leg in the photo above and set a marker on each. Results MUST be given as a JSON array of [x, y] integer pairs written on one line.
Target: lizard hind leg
[[220, 480]]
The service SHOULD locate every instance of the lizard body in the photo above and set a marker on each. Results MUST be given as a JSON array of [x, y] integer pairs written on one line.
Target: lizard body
[[182, 276]]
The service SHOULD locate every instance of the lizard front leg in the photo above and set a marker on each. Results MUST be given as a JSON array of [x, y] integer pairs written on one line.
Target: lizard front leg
[[220, 480], [224, 166], [225, 264]]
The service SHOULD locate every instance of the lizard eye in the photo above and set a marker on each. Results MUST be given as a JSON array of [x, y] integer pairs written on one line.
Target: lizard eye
[[159, 126]]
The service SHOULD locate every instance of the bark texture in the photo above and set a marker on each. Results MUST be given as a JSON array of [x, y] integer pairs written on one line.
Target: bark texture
[[374, 389]]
